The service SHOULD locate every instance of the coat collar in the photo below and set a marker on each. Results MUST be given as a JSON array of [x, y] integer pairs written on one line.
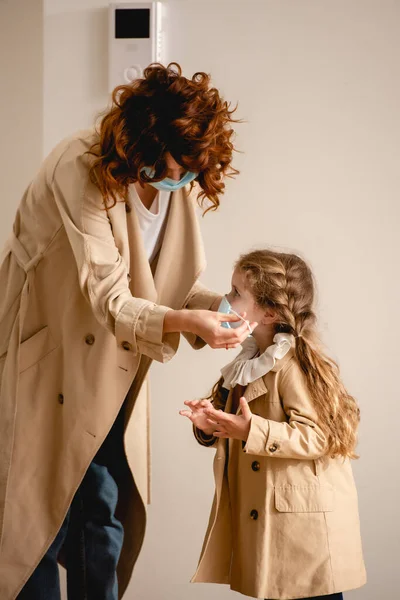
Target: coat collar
[[255, 389], [258, 387]]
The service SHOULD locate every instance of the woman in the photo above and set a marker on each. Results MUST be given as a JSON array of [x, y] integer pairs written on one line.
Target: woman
[[99, 278]]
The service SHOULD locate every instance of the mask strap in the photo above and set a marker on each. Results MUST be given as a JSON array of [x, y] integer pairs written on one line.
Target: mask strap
[[242, 319]]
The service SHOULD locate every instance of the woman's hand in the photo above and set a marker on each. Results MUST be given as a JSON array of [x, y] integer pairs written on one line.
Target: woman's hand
[[207, 325], [197, 414], [226, 425]]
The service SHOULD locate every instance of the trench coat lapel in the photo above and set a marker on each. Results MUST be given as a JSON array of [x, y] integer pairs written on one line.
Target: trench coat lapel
[[258, 388], [255, 389], [178, 264], [141, 277], [181, 258]]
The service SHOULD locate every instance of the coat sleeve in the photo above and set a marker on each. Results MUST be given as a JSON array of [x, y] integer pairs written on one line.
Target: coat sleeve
[[102, 272], [199, 297], [298, 438], [210, 441]]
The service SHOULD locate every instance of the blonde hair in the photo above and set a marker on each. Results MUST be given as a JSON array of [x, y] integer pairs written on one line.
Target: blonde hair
[[284, 283]]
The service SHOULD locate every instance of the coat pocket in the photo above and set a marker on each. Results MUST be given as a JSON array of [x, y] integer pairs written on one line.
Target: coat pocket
[[36, 347], [304, 498]]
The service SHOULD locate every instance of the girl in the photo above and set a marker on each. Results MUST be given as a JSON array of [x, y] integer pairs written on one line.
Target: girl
[[284, 522]]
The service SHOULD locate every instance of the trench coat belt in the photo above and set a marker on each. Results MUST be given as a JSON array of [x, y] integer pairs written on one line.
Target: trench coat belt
[[9, 386], [22, 257]]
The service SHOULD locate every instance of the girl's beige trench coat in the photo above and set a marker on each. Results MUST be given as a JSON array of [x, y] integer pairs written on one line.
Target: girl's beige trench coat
[[284, 522], [81, 319]]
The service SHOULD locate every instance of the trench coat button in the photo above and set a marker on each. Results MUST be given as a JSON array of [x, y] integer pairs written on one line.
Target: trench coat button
[[254, 514], [126, 346], [255, 465], [274, 447], [61, 398], [128, 207], [89, 339]]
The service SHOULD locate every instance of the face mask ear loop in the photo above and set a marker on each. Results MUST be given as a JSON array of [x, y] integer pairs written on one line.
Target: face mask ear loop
[[240, 317]]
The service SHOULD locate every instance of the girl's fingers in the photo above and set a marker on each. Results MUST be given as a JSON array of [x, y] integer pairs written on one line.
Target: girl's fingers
[[186, 413], [211, 422], [192, 403], [206, 404], [218, 415]]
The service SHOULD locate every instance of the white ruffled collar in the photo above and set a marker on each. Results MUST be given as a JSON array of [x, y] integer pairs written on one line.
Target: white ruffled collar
[[248, 367]]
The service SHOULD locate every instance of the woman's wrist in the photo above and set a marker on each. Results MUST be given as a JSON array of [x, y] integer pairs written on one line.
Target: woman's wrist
[[177, 321]]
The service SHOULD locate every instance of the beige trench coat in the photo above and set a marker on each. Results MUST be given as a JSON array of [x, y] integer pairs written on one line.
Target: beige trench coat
[[284, 522], [81, 319]]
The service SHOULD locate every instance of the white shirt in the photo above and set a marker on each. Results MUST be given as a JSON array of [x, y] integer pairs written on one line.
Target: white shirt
[[152, 222]]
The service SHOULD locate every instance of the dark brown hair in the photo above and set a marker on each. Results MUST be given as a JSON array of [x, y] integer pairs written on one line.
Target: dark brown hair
[[164, 112]]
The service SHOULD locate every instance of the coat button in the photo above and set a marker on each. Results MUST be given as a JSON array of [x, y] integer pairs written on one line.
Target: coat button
[[274, 447], [128, 207], [89, 339], [126, 346], [254, 515], [255, 465], [61, 398]]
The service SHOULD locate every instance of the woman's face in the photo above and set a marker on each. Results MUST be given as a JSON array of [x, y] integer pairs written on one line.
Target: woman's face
[[175, 171], [242, 300]]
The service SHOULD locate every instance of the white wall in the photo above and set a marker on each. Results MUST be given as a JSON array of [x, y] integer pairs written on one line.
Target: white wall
[[21, 101], [318, 86]]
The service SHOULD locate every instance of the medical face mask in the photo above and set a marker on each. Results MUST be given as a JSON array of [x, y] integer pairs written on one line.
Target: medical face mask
[[167, 184], [226, 308]]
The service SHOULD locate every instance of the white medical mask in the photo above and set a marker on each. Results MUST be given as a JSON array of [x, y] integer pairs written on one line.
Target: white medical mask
[[167, 184], [226, 308]]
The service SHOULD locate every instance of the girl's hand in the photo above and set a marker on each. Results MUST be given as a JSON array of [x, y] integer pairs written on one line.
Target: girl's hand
[[197, 414], [207, 325], [225, 425]]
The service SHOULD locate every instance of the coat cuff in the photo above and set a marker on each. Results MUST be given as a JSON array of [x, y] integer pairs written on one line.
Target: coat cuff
[[204, 440], [263, 438], [143, 331]]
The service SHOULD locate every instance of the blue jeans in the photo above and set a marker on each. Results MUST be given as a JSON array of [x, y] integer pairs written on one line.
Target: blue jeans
[[91, 536]]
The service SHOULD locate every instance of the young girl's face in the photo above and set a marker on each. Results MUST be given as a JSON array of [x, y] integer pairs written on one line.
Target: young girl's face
[[242, 300]]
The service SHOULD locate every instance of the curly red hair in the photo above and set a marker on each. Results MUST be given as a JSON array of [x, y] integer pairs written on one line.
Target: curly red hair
[[164, 112]]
